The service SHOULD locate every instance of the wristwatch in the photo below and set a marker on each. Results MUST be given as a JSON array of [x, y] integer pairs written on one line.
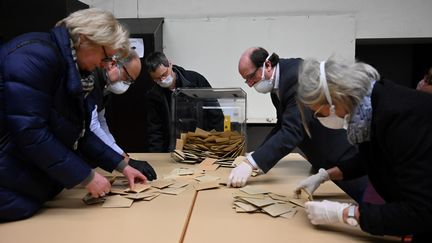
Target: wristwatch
[[351, 220]]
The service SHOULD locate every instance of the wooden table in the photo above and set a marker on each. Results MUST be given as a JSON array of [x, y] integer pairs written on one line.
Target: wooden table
[[206, 216]]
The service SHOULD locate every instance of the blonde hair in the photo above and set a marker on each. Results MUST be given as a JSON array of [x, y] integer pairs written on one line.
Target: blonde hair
[[348, 82], [99, 26]]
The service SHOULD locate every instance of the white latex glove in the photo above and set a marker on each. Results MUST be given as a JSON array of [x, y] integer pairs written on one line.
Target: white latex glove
[[325, 212], [239, 175], [311, 183]]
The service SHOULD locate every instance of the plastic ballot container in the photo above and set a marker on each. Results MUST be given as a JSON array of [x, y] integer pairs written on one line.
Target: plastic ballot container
[[212, 111]]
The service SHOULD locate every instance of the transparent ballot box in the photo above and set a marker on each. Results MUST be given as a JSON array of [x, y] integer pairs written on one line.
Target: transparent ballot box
[[208, 123]]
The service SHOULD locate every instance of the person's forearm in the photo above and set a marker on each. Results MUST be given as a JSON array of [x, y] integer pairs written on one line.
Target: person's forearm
[[335, 174]]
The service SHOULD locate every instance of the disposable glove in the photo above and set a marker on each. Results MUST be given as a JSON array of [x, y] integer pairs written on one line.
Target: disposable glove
[[144, 167], [311, 183], [239, 175], [325, 212]]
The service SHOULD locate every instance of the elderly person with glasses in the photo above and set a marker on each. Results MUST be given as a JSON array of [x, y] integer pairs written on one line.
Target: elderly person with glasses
[[116, 76], [393, 130], [45, 143]]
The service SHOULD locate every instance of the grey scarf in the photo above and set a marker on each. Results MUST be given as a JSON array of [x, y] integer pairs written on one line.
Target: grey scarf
[[359, 126]]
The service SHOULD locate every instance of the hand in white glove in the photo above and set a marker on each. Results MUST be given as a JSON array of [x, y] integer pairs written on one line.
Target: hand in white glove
[[325, 212], [239, 175], [311, 183]]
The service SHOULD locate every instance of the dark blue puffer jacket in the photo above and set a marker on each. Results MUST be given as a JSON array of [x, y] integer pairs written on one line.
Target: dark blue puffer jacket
[[42, 114]]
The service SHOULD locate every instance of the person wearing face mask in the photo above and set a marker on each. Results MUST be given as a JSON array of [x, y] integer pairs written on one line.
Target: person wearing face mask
[[393, 130], [44, 140], [167, 77], [322, 147], [115, 77]]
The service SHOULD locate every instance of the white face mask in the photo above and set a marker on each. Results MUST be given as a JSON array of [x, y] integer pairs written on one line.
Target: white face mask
[[167, 82], [331, 121], [265, 85], [118, 87]]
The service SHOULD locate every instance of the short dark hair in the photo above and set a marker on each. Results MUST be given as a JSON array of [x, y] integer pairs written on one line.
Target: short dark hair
[[259, 55], [154, 60]]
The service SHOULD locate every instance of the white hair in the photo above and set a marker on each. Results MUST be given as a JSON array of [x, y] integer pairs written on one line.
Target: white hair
[[348, 82], [99, 26]]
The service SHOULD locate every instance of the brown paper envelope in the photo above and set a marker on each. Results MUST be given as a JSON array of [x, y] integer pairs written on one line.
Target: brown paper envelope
[[179, 144], [259, 202], [209, 167], [207, 178], [253, 190], [179, 184], [206, 185], [161, 183], [139, 187], [240, 194], [137, 196], [298, 201], [117, 201], [246, 207], [277, 209], [290, 214], [173, 191]]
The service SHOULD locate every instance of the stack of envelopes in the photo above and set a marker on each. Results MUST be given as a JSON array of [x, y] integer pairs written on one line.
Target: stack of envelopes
[[193, 147], [121, 196], [252, 199]]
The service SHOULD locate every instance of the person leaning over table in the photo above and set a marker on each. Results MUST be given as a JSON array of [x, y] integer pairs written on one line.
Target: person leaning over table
[[44, 79], [115, 78], [167, 77], [393, 129], [268, 74]]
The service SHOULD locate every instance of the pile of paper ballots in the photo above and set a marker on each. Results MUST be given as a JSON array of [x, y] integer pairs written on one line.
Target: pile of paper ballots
[[193, 147]]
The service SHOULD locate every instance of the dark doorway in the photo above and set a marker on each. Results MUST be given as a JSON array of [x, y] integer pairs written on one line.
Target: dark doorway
[[404, 61]]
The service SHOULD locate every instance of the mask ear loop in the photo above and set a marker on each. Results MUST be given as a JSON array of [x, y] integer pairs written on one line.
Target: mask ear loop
[[323, 81]]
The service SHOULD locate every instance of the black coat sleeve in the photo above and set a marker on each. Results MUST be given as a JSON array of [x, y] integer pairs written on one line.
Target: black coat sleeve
[[284, 139]]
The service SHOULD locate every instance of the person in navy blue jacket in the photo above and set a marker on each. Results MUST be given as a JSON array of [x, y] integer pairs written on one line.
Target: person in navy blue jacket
[[322, 147], [44, 143], [393, 129]]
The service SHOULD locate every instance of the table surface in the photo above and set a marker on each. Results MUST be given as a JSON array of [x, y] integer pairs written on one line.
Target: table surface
[[207, 218]]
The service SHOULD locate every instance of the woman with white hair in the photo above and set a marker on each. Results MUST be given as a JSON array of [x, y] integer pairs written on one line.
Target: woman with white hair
[[392, 127], [45, 143]]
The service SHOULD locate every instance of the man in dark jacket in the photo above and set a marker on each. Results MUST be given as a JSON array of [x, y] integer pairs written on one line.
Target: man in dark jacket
[[323, 148], [43, 129], [168, 77]]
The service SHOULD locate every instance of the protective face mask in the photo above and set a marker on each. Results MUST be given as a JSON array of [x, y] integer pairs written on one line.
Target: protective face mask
[[167, 82], [118, 87], [331, 121], [265, 85]]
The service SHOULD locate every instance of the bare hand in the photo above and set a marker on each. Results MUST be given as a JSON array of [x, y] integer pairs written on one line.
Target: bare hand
[[99, 186], [133, 176]]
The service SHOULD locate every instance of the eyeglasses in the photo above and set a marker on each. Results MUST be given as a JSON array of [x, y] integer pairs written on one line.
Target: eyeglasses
[[106, 58], [250, 76], [129, 80]]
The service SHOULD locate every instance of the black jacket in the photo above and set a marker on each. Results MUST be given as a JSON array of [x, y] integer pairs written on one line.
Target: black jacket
[[398, 160], [326, 146], [159, 125]]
